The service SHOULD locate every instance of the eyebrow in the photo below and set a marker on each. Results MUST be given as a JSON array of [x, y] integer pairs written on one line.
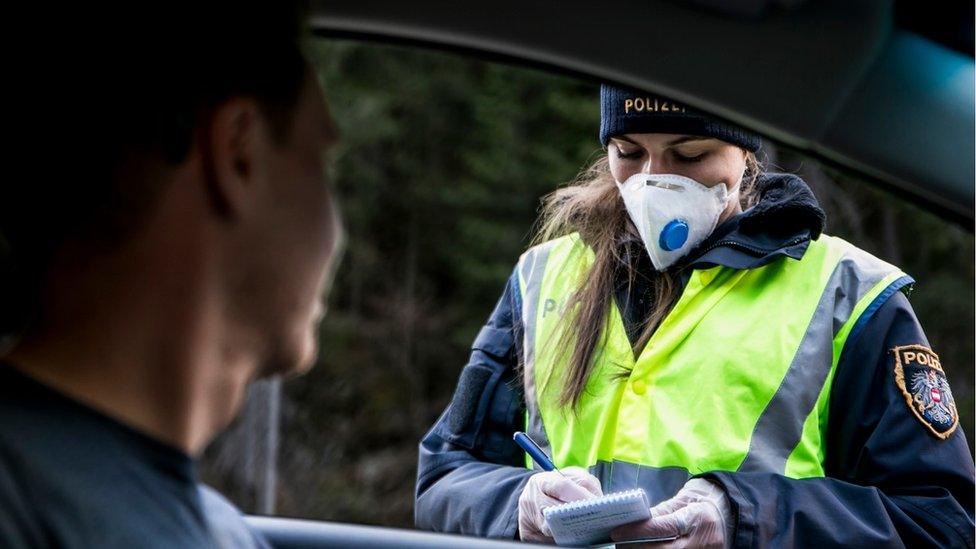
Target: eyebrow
[[688, 139], [625, 138]]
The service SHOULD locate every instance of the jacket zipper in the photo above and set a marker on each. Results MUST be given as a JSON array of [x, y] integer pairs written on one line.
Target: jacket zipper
[[757, 252]]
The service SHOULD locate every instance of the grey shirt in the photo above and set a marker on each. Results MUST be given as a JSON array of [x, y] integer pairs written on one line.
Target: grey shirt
[[73, 477]]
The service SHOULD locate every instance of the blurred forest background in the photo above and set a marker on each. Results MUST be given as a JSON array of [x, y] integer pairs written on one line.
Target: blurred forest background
[[442, 164]]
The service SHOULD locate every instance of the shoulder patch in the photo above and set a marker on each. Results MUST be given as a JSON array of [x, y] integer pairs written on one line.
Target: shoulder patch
[[922, 381]]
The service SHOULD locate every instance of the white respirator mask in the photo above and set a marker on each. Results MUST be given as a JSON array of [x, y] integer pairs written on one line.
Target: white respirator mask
[[673, 213]]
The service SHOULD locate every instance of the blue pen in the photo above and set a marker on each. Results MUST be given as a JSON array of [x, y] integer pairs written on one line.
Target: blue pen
[[536, 453]]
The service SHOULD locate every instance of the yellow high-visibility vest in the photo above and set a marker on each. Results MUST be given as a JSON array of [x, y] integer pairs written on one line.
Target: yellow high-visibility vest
[[736, 378]]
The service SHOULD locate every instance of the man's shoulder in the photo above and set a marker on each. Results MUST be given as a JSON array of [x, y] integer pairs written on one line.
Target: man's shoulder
[[20, 523], [43, 485], [72, 477], [227, 523], [41, 430], [34, 435]]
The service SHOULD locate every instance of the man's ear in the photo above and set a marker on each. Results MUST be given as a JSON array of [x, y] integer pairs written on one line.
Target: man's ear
[[231, 146]]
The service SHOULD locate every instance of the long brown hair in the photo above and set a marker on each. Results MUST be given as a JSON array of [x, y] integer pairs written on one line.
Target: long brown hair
[[591, 206]]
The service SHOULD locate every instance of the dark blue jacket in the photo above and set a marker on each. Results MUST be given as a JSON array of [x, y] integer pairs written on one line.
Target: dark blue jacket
[[889, 480]]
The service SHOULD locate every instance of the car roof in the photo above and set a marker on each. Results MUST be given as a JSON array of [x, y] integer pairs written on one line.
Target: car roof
[[840, 80]]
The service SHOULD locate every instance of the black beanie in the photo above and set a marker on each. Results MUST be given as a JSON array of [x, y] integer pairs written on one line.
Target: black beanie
[[625, 111]]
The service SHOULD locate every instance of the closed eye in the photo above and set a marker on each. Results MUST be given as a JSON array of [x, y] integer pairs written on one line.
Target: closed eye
[[690, 159], [635, 154]]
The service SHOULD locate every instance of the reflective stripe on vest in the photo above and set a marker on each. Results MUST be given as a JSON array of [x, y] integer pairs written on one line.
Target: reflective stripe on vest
[[531, 267], [735, 378]]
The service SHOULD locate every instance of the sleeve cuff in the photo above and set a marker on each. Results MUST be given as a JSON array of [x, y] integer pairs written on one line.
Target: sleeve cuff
[[743, 530]]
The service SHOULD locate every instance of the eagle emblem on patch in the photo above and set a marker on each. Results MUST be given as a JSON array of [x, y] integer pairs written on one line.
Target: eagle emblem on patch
[[919, 375]]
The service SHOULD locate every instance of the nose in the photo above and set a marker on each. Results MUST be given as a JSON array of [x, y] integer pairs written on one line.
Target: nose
[[653, 165]]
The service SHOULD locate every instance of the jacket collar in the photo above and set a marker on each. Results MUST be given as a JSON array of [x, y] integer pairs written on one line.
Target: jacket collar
[[782, 223]]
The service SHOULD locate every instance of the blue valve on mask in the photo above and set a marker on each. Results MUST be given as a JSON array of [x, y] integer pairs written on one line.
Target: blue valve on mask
[[673, 235]]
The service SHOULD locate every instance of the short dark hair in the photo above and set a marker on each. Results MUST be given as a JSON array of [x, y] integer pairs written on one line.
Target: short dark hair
[[128, 89]]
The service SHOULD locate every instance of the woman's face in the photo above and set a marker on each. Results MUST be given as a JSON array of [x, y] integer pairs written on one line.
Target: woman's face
[[704, 159]]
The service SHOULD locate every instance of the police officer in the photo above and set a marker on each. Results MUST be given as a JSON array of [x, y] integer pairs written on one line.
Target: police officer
[[685, 327]]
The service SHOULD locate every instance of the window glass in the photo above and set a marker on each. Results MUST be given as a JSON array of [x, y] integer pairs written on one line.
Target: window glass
[[442, 164]]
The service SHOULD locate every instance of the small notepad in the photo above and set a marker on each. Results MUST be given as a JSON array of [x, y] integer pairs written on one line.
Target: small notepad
[[590, 521]]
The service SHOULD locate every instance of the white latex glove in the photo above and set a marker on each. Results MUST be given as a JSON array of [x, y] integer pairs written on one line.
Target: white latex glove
[[699, 514], [548, 489]]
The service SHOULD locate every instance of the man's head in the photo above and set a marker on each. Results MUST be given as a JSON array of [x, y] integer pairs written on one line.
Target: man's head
[[282, 229], [197, 131]]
